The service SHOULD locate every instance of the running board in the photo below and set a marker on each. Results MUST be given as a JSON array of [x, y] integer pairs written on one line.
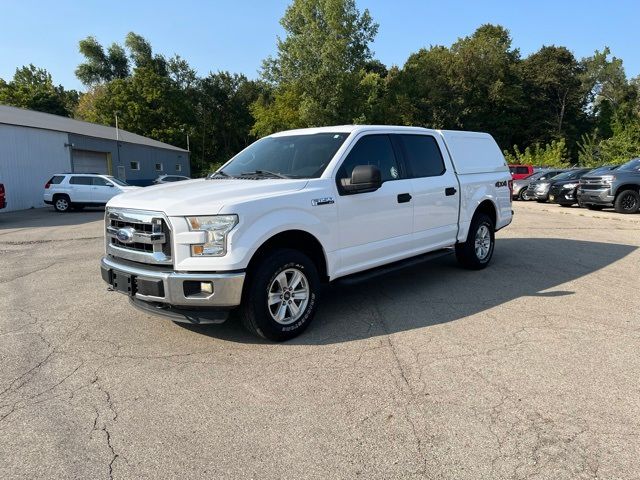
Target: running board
[[359, 277]]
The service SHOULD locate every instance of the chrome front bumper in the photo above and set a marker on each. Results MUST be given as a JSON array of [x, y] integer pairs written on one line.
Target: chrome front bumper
[[160, 285]]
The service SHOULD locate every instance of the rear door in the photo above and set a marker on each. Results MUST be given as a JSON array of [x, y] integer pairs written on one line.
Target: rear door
[[374, 227], [436, 194], [80, 189]]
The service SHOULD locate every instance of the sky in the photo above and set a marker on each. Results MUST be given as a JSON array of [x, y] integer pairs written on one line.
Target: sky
[[237, 35]]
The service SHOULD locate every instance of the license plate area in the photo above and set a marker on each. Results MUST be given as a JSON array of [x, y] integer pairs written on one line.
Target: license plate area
[[123, 282]]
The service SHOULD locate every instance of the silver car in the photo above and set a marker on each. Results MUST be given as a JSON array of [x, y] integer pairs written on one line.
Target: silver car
[[520, 186], [169, 179]]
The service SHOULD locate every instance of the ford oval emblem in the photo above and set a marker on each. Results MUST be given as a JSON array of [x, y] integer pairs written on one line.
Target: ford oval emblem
[[125, 235]]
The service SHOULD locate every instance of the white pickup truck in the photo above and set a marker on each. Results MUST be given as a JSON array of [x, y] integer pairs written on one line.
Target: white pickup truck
[[298, 209]]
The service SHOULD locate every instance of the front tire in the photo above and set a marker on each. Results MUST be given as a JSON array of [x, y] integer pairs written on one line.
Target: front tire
[[281, 298], [61, 203], [627, 201], [476, 252]]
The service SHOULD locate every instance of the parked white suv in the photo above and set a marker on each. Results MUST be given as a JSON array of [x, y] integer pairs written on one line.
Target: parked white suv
[[301, 208], [78, 190]]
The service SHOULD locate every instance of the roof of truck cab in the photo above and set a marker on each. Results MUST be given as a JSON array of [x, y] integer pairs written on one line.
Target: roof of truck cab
[[353, 129]]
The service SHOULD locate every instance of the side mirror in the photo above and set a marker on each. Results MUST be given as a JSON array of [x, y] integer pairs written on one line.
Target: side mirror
[[364, 178]]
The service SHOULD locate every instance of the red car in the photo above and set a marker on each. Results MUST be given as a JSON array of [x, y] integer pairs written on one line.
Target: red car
[[518, 172], [3, 201]]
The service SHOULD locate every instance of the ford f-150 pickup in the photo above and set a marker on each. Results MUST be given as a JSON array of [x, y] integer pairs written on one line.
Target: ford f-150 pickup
[[298, 209]]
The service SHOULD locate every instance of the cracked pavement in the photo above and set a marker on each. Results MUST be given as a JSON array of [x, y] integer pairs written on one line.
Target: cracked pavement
[[528, 369]]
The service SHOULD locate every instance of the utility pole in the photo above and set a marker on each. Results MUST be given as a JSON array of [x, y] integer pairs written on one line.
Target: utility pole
[[118, 142]]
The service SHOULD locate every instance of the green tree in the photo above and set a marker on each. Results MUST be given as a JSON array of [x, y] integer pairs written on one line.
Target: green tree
[[319, 66], [33, 88], [552, 84], [612, 99], [552, 154], [146, 103], [224, 115], [472, 85], [100, 66]]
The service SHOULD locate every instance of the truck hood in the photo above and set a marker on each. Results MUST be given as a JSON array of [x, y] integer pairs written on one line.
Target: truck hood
[[203, 197]]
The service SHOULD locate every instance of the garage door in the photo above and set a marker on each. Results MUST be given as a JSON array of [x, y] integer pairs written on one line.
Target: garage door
[[85, 161]]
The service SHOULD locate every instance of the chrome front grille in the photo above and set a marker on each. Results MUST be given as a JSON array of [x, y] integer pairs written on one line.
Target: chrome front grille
[[137, 235], [592, 184]]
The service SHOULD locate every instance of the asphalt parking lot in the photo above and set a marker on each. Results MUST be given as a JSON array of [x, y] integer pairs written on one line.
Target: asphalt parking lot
[[529, 369]]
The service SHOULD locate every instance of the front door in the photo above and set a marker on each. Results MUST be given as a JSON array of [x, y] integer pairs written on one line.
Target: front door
[[374, 227], [103, 190]]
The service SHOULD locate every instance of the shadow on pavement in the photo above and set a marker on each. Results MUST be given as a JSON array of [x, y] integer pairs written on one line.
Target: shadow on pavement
[[48, 217], [440, 291]]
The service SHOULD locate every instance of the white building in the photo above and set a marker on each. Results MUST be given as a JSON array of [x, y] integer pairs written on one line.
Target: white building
[[34, 146]]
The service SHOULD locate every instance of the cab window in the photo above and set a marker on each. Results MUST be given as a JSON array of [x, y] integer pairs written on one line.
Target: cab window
[[422, 155], [373, 150]]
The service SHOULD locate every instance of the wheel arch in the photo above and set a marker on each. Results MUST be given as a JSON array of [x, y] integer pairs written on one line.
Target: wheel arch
[[488, 208], [295, 239], [627, 186]]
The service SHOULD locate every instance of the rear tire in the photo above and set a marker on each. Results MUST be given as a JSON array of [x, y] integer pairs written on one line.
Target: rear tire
[[281, 297], [476, 252], [522, 194], [61, 203], [627, 201]]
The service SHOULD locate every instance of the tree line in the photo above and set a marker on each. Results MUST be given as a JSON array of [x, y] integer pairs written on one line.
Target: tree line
[[547, 108]]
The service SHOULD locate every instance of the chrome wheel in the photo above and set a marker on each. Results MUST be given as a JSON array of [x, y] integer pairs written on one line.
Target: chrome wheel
[[62, 204], [483, 242], [288, 296]]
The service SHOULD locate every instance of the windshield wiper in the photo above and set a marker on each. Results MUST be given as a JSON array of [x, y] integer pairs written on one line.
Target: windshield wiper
[[264, 173], [221, 173]]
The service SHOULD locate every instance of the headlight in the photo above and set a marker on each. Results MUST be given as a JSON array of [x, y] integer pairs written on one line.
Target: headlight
[[608, 179], [570, 185], [216, 227]]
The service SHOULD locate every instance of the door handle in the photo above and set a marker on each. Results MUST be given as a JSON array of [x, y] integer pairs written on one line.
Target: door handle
[[450, 191], [404, 197]]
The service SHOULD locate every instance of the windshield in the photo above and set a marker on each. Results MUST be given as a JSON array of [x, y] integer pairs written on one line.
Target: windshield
[[118, 182], [535, 176], [564, 176], [518, 170], [631, 166], [287, 156]]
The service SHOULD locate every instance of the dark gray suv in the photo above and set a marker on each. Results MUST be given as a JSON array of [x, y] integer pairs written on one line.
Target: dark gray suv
[[619, 189]]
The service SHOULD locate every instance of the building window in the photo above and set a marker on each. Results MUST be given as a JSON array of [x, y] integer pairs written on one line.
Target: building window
[[135, 165], [159, 167], [178, 167]]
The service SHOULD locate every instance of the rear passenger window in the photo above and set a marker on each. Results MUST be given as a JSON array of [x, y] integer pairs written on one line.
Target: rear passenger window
[[372, 150], [423, 156], [522, 170], [80, 181]]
